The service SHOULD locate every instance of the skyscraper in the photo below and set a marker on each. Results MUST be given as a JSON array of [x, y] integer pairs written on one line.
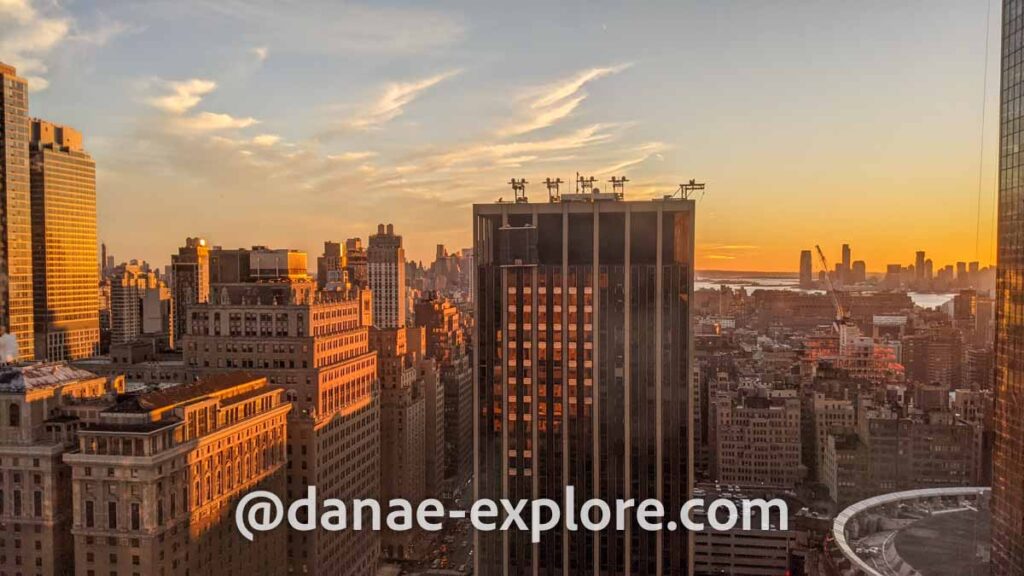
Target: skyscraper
[[16, 312], [1008, 451], [190, 277], [583, 355], [844, 272], [385, 258], [806, 269], [316, 345], [66, 297]]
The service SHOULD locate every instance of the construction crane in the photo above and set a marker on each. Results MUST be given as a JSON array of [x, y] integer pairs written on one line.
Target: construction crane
[[841, 315]]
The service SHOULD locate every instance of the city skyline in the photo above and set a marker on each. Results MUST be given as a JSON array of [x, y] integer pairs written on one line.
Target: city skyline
[[194, 306], [392, 116]]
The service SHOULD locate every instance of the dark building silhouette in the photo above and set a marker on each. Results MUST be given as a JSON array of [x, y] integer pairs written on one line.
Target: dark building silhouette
[[583, 368]]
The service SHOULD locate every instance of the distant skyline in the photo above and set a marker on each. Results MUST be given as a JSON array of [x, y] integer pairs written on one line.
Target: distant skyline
[[288, 124]]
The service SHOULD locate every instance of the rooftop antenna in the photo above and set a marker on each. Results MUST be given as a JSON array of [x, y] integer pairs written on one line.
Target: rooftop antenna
[[584, 185], [687, 190], [619, 186], [519, 189], [553, 195]]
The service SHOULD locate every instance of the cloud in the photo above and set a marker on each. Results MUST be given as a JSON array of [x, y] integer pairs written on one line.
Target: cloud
[[184, 95], [557, 101], [211, 121], [392, 101], [29, 35], [266, 139], [261, 53], [351, 156], [647, 151], [518, 152]]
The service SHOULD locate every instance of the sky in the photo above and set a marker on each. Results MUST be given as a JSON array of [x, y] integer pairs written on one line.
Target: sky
[[288, 123]]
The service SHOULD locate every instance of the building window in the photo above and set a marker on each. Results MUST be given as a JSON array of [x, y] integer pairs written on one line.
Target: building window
[[14, 416], [136, 520], [89, 518], [112, 515]]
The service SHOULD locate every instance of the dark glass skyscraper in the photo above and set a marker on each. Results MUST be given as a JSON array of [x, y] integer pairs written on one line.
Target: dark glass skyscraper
[[583, 367], [1008, 454]]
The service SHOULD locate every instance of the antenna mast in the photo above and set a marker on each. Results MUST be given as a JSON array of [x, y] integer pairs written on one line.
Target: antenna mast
[[619, 186], [519, 189], [553, 194]]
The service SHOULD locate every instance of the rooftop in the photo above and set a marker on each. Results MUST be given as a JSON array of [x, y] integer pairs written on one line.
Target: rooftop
[[149, 401], [39, 376]]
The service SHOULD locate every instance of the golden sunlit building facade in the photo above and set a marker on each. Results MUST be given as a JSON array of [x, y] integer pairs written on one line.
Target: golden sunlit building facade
[[316, 346], [157, 476], [16, 313], [67, 325]]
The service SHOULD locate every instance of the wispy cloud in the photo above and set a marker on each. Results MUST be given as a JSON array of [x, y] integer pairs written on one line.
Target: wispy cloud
[[352, 156], [393, 100], [521, 151], [29, 33], [557, 101], [180, 97], [646, 152], [261, 53], [211, 121], [183, 95], [26, 38], [266, 139]]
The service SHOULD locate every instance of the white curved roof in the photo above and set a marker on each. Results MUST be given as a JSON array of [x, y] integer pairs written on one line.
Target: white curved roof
[[839, 524]]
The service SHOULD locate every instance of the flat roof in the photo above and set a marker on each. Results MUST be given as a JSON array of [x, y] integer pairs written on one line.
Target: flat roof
[[175, 395], [27, 377]]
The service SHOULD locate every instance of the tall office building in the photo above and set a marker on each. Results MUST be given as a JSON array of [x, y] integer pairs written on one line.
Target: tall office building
[[1008, 453], [806, 269], [315, 345], [16, 311], [66, 296], [385, 259], [190, 279], [583, 354], [843, 269], [919, 266]]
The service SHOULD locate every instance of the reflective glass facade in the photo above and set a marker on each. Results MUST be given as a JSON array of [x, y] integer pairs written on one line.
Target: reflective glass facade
[[67, 325], [583, 355], [15, 219], [1008, 456]]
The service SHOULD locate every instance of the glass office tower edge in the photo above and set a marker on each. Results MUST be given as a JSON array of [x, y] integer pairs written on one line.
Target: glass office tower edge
[[1008, 455], [583, 349]]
